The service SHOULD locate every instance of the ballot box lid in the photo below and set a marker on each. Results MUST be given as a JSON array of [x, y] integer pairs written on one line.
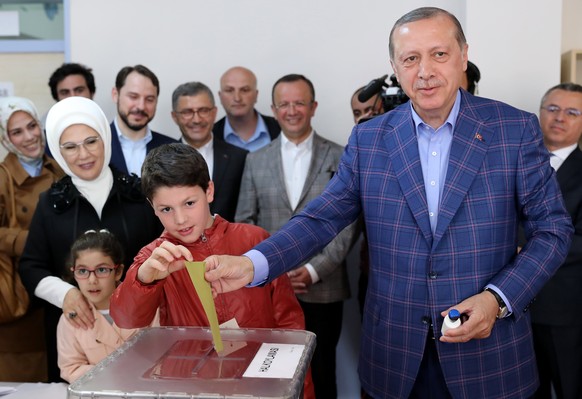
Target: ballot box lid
[[180, 362]]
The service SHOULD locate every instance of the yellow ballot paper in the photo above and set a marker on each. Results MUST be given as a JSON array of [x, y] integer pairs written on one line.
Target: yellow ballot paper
[[196, 271]]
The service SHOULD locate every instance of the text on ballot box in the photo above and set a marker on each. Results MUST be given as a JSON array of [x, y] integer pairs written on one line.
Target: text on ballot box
[[180, 362]]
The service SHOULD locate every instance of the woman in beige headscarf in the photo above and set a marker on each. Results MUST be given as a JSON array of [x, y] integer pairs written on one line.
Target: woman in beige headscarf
[[25, 173]]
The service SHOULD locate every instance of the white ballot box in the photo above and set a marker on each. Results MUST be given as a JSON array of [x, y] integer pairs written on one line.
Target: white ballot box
[[180, 362]]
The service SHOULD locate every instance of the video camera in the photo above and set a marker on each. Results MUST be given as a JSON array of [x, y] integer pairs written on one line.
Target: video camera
[[391, 93]]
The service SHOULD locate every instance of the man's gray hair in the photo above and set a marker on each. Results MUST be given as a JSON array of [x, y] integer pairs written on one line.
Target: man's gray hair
[[190, 89], [571, 87], [427, 13]]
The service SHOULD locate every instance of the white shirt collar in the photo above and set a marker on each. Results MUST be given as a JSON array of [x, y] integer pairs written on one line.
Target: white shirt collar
[[558, 156], [207, 152], [287, 144]]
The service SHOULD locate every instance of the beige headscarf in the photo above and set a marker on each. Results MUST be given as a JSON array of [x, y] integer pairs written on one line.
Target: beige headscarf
[[8, 106], [81, 111]]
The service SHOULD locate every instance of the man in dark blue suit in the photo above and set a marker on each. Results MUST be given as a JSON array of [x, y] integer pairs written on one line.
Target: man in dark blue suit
[[194, 111], [556, 321], [136, 96], [443, 182]]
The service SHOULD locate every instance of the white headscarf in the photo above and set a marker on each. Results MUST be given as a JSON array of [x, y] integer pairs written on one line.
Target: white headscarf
[[8, 106], [82, 111]]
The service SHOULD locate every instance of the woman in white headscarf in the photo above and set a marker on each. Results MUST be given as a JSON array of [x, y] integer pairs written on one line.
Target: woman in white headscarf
[[91, 197], [24, 174]]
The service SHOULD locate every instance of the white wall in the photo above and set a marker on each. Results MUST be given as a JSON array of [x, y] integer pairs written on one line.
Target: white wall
[[339, 45], [516, 45]]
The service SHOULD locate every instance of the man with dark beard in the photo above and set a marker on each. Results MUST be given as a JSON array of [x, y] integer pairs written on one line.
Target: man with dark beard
[[136, 95]]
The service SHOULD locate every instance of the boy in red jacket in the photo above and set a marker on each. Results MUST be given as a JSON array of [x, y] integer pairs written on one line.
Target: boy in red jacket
[[176, 181]]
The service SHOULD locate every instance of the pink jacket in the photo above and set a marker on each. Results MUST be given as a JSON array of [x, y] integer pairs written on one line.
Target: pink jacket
[[79, 350]]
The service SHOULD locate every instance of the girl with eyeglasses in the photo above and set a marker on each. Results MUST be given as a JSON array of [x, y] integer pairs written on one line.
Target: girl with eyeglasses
[[96, 264], [92, 195]]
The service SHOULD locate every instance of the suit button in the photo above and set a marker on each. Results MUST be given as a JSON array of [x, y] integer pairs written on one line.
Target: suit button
[[425, 319], [432, 275]]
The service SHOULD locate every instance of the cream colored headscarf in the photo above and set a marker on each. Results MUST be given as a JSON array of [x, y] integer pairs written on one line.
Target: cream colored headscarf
[[8, 106], [82, 111]]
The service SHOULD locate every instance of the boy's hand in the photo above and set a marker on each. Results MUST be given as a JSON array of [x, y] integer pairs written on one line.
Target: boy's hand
[[164, 260], [228, 273]]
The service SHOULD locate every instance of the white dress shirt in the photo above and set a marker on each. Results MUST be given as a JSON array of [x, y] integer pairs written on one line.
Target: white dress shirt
[[558, 157], [134, 151], [207, 152], [296, 160]]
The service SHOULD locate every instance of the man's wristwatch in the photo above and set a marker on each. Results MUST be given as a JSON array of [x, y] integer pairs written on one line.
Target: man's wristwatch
[[503, 310]]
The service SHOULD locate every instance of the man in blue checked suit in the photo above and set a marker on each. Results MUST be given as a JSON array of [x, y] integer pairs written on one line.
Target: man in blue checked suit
[[443, 182]]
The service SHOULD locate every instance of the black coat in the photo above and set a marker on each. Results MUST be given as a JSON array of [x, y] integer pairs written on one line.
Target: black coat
[[560, 300], [61, 215], [229, 163]]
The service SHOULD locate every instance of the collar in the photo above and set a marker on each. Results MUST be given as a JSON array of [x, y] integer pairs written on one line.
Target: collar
[[565, 152], [122, 138], [259, 130], [206, 147], [307, 143], [19, 174], [451, 119]]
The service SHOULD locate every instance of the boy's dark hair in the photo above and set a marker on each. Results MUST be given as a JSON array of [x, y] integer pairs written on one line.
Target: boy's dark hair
[[142, 70], [103, 241], [173, 165], [190, 89], [67, 69]]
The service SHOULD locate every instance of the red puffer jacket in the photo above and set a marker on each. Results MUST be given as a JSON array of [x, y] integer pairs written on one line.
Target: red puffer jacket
[[274, 305]]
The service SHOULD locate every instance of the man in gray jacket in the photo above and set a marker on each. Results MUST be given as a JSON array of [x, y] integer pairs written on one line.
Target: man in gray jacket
[[278, 181]]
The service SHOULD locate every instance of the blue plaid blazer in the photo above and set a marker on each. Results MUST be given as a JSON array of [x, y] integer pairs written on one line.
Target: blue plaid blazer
[[498, 176]]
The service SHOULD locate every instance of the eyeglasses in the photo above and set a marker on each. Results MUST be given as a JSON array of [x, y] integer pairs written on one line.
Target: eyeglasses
[[71, 149], [100, 272], [189, 113], [571, 113], [297, 104]]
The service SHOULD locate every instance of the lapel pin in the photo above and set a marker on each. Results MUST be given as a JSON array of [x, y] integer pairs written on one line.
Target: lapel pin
[[479, 137]]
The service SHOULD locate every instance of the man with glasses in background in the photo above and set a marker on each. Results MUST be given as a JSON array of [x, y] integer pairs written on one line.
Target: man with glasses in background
[[556, 322], [136, 94], [278, 181], [194, 111]]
